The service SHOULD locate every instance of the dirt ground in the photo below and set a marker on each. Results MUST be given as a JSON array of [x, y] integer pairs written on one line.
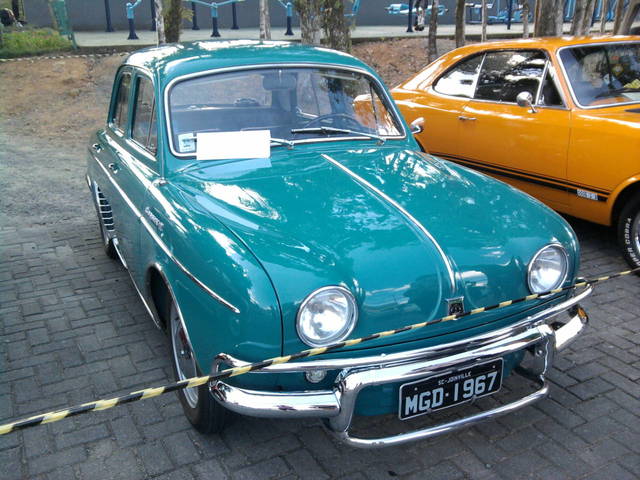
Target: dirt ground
[[50, 107]]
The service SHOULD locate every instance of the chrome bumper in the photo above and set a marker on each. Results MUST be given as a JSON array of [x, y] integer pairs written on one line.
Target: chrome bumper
[[540, 334]]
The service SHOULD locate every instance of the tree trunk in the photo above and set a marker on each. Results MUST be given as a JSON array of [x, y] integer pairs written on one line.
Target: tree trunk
[[483, 37], [460, 19], [618, 16], [525, 19], [588, 17], [310, 24], [603, 16], [265, 20], [336, 28], [173, 21], [432, 45], [546, 21], [630, 15], [160, 22]]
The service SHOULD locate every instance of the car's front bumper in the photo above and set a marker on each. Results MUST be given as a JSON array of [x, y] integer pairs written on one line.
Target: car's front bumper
[[540, 334]]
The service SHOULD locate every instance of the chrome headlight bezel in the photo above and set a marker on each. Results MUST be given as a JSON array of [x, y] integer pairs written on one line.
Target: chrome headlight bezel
[[340, 334], [563, 274]]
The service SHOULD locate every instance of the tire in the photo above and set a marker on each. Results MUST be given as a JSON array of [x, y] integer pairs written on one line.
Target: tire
[[199, 406], [629, 231], [107, 243]]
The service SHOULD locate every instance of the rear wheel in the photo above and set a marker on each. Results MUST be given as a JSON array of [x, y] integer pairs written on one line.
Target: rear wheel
[[202, 410], [629, 231]]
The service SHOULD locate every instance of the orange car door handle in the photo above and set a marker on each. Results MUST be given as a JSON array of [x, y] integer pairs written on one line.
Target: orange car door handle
[[466, 119]]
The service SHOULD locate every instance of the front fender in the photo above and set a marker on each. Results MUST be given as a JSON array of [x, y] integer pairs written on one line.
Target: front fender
[[191, 249]]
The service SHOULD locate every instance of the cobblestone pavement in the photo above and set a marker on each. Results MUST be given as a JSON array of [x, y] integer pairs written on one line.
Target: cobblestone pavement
[[73, 330]]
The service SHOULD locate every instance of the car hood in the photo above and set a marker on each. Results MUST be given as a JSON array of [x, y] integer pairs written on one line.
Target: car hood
[[404, 231]]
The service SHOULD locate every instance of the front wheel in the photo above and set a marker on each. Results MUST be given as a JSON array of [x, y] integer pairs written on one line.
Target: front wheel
[[202, 410], [629, 231]]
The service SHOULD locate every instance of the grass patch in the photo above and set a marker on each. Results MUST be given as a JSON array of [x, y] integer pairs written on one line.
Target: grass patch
[[24, 42]]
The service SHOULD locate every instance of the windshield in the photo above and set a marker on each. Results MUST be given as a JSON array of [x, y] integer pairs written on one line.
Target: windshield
[[292, 103], [602, 75]]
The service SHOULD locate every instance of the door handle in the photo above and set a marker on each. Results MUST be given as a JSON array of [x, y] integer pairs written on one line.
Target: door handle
[[467, 119], [113, 167], [97, 147]]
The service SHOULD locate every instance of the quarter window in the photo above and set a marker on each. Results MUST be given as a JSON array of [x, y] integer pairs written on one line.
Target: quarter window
[[143, 128], [505, 74], [549, 95], [460, 81], [121, 109]]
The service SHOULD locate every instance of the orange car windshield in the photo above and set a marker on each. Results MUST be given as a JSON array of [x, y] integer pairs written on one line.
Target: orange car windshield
[[605, 74]]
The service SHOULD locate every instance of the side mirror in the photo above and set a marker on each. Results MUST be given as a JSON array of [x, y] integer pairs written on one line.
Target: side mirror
[[417, 126], [525, 99]]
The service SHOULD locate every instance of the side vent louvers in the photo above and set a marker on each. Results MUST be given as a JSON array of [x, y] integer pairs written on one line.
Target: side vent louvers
[[105, 211]]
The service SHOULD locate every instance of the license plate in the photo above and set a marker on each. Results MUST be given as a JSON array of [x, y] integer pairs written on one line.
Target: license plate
[[435, 393]]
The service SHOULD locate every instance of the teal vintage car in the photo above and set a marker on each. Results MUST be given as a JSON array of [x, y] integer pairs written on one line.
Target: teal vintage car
[[267, 197]]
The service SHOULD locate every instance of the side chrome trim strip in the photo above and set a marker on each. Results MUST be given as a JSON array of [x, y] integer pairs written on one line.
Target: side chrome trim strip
[[403, 211], [163, 245]]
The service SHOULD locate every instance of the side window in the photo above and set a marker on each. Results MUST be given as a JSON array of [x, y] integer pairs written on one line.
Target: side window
[[121, 108], [506, 74], [460, 81], [549, 95], [143, 127]]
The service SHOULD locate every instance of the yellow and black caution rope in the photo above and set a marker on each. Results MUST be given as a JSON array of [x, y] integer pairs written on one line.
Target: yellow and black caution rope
[[232, 372]]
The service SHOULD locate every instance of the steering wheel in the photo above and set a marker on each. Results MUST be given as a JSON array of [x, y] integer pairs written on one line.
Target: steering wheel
[[332, 117]]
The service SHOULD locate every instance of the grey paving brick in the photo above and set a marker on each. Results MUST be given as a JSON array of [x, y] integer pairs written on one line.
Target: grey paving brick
[[210, 469], [52, 461], [266, 469], [154, 458]]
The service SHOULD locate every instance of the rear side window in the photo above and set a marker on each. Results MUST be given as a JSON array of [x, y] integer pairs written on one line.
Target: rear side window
[[460, 81], [143, 127], [121, 108], [505, 74]]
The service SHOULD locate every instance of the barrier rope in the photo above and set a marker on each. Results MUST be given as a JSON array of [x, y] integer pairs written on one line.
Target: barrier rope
[[97, 405]]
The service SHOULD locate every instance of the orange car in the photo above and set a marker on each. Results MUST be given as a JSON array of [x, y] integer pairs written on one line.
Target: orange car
[[556, 117]]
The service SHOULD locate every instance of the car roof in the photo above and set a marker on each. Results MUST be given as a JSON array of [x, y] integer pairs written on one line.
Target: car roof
[[178, 59], [549, 43]]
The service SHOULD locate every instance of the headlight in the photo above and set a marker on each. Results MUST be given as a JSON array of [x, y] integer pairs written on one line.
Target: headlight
[[326, 316], [548, 269]]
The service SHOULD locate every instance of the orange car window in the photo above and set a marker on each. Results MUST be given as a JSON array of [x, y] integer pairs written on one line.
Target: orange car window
[[505, 74], [460, 81], [549, 95]]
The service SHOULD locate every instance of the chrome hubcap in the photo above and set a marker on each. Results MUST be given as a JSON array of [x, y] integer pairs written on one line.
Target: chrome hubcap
[[183, 357]]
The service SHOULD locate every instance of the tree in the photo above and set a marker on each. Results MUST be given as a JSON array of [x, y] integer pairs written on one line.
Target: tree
[[603, 16], [483, 36], [265, 21], [547, 24], [432, 45], [627, 21], [582, 17], [618, 15], [309, 15], [335, 25], [525, 18], [159, 22], [173, 21], [460, 19]]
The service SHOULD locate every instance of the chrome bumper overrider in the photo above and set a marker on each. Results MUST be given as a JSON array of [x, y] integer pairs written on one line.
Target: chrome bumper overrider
[[540, 334]]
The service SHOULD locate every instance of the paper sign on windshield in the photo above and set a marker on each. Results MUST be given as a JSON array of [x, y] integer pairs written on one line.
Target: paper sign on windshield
[[232, 145]]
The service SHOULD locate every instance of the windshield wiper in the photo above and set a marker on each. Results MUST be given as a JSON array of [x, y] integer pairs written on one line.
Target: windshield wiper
[[282, 141], [616, 91], [330, 130]]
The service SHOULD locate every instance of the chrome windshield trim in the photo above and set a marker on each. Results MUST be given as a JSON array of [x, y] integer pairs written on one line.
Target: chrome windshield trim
[[568, 80], [163, 246], [390, 103], [403, 211], [427, 352]]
